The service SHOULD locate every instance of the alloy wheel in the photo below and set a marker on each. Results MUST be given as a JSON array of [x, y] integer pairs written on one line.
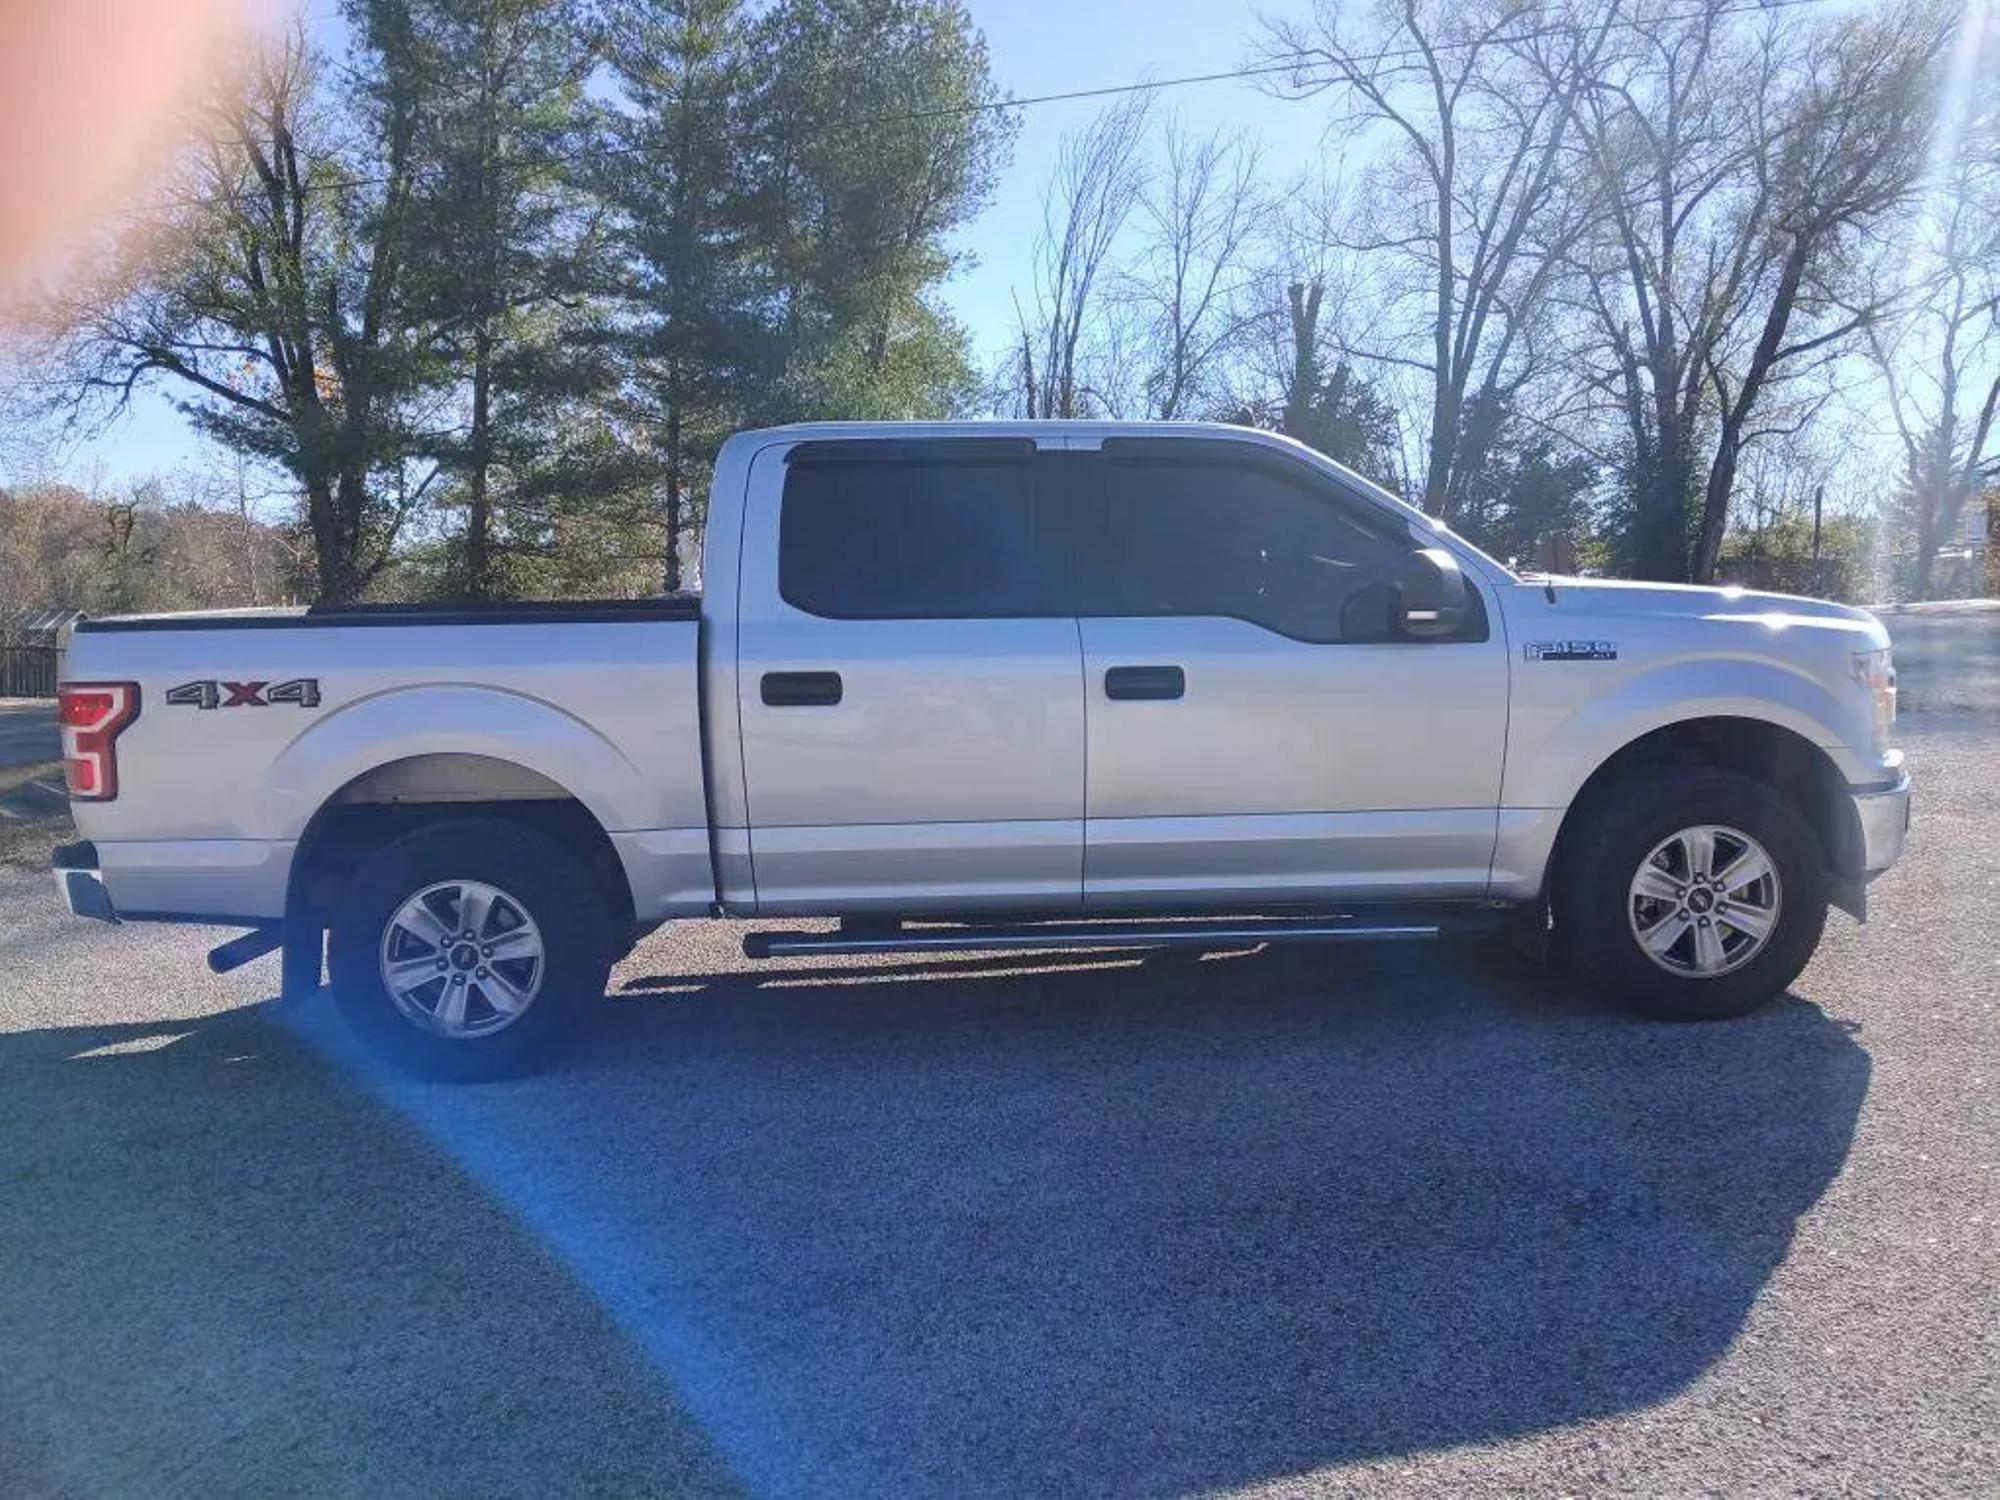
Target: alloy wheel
[[1705, 901], [462, 958]]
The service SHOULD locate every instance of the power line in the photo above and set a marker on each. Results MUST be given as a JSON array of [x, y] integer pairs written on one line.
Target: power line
[[1304, 59], [1310, 58]]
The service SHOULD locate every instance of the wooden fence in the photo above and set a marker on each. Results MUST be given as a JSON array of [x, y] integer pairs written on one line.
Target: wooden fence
[[31, 646], [27, 671]]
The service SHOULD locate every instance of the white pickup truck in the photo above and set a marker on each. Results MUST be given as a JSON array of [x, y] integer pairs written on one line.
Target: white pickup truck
[[985, 686]]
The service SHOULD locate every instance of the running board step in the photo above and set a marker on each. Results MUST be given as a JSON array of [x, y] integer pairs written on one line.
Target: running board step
[[1191, 933]]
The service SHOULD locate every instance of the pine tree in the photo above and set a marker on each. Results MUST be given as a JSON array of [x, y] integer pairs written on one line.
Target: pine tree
[[676, 172], [877, 139], [507, 263]]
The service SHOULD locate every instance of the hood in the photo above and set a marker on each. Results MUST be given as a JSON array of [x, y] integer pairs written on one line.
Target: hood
[[1694, 601]]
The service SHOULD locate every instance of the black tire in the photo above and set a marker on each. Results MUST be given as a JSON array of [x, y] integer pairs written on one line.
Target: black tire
[[1621, 825], [536, 873]]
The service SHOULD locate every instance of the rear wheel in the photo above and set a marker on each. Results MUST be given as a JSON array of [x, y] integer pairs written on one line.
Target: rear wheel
[[466, 948], [1698, 893]]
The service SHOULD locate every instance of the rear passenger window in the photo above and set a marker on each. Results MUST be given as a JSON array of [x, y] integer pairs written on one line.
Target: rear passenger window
[[1241, 539], [916, 537]]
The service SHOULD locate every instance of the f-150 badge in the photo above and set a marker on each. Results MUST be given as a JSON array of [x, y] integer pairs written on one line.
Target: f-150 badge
[[303, 692], [1570, 650]]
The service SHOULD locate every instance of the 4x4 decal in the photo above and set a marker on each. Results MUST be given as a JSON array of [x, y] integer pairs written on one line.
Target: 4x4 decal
[[208, 692]]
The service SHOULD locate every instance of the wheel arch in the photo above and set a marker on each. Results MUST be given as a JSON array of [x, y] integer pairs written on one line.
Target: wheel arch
[[447, 728], [409, 792], [1780, 758]]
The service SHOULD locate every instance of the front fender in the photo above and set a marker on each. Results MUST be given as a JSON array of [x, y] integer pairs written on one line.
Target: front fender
[[370, 732], [1555, 745]]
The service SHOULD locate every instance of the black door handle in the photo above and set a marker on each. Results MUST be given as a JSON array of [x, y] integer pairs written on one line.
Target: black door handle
[[801, 689], [1144, 682]]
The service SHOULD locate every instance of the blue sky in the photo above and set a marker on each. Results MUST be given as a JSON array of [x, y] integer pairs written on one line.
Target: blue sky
[[1038, 47], [1044, 47]]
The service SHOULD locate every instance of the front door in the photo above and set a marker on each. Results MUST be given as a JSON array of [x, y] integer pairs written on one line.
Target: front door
[[1258, 730], [909, 682]]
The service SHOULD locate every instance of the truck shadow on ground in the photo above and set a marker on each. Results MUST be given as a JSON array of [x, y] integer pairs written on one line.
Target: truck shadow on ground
[[1046, 1225]]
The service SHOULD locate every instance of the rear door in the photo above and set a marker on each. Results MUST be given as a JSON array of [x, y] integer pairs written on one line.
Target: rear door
[[910, 682], [1258, 729]]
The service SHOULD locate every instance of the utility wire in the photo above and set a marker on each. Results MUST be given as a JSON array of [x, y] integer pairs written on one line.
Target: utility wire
[[1294, 63]]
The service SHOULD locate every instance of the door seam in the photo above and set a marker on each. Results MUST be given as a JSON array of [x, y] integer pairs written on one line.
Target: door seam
[[1083, 821]]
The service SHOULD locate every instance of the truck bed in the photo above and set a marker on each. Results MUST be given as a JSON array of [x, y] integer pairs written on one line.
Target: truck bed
[[344, 616], [251, 722]]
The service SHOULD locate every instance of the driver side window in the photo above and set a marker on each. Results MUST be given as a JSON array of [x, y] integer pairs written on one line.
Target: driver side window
[[1222, 536]]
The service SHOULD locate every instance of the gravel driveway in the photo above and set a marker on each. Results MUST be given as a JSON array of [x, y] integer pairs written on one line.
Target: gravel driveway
[[1392, 1219]]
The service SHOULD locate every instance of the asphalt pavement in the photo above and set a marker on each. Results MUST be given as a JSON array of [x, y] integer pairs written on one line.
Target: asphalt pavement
[[27, 733], [1386, 1220]]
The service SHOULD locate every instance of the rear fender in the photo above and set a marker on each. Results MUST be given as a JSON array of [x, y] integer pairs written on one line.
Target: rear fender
[[372, 732]]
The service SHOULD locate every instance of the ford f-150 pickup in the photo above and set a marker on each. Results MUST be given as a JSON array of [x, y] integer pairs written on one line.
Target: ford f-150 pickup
[[989, 686]]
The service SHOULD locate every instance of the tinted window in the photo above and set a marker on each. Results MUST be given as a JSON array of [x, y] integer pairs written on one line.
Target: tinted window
[[899, 538], [1249, 540]]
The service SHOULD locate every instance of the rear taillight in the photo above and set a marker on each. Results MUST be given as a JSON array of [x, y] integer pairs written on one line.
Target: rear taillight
[[92, 714]]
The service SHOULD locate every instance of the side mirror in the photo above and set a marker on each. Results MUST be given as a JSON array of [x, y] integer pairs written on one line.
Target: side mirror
[[1431, 599]]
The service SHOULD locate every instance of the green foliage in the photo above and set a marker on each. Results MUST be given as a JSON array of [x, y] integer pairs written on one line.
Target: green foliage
[[1524, 492], [1779, 556], [691, 331], [920, 370], [1340, 415], [263, 301], [784, 184], [873, 144], [1649, 520], [492, 289], [1345, 418], [506, 260]]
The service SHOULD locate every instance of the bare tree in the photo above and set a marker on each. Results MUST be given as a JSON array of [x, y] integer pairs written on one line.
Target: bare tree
[[1477, 105], [1740, 166], [1098, 181], [159, 543], [1303, 300], [265, 299], [1851, 151], [1940, 362], [1199, 214], [1294, 373]]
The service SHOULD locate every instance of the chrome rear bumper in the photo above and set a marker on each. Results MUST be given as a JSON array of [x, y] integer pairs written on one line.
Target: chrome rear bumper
[[81, 883]]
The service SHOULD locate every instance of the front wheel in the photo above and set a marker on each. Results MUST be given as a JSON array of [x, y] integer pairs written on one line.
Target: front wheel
[[464, 949], [1699, 894]]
